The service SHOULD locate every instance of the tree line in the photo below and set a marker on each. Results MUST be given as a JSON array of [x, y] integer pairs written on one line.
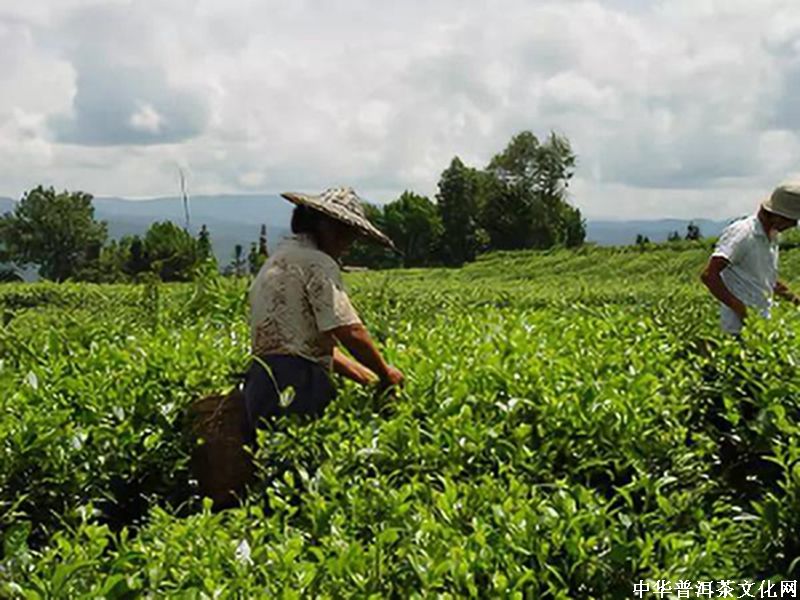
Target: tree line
[[518, 200], [57, 232]]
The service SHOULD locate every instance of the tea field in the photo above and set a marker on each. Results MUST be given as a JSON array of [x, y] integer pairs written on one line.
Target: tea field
[[572, 424]]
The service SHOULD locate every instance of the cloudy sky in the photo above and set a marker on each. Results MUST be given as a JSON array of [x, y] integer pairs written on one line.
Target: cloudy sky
[[685, 108]]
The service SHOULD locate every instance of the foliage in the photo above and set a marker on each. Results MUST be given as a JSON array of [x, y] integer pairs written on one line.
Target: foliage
[[109, 266], [527, 206], [790, 239], [166, 251], [237, 267], [512, 216], [171, 252], [54, 230], [258, 252], [135, 261], [457, 200], [263, 249], [693, 232], [9, 275], [204, 247], [572, 423], [414, 224]]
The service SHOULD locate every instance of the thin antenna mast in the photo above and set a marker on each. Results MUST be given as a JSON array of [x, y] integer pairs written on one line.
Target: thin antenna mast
[[185, 198]]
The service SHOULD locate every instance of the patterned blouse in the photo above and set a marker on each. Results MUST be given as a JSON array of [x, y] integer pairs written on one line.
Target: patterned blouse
[[296, 299]]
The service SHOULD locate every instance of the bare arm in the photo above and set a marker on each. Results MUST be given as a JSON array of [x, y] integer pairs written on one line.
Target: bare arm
[[357, 340], [347, 367], [782, 290], [713, 281]]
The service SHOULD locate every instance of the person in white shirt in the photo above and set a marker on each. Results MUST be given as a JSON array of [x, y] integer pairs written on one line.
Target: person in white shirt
[[742, 272], [300, 312]]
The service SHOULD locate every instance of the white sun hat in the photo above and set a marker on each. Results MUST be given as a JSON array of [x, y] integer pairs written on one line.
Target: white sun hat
[[342, 204], [785, 200]]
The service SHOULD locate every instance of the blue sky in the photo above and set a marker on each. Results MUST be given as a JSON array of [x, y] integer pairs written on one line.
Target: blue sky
[[675, 108]]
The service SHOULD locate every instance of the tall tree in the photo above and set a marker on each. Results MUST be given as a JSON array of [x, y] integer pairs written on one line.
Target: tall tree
[[56, 231], [511, 215], [136, 261], [171, 252], [414, 224], [693, 232], [543, 170], [458, 207], [237, 267], [573, 226], [204, 249], [263, 250], [254, 261]]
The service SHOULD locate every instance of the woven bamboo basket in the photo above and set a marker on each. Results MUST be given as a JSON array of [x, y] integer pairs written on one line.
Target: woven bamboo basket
[[220, 460]]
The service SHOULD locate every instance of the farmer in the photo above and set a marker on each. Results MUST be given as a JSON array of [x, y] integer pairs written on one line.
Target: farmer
[[742, 273], [299, 311]]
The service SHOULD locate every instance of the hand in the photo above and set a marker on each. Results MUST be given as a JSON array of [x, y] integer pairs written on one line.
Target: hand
[[386, 391], [392, 377]]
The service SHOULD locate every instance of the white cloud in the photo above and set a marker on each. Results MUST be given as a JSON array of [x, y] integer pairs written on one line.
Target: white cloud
[[675, 108], [147, 119]]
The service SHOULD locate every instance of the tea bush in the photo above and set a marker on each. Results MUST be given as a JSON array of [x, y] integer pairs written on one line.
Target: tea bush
[[572, 423]]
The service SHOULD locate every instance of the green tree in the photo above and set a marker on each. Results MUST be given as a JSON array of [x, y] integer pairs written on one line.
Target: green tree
[[693, 232], [263, 250], [135, 260], [8, 271], [9, 275], [109, 267], [573, 226], [171, 252], [204, 249], [534, 178], [254, 261], [511, 215], [414, 224], [458, 202], [258, 252], [56, 231], [674, 236], [237, 266]]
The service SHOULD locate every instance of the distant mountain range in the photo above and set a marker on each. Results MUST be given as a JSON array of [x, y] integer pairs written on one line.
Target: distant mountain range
[[623, 233], [236, 219]]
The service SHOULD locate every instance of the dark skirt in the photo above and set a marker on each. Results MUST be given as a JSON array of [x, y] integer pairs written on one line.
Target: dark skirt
[[313, 389]]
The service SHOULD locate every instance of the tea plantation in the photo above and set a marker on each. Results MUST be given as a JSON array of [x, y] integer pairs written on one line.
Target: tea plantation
[[572, 424]]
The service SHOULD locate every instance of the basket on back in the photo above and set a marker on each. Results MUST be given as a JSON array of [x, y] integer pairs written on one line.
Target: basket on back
[[220, 460]]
